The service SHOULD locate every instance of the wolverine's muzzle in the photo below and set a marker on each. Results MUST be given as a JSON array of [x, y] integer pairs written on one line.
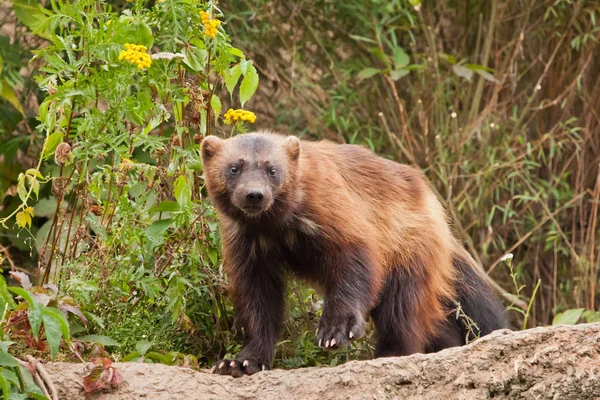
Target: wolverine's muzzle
[[253, 200]]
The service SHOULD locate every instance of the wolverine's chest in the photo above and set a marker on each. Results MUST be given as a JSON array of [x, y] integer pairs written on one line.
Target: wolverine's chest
[[300, 247]]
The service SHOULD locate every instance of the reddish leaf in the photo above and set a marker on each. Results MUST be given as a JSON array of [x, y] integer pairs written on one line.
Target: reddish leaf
[[22, 278], [102, 375], [94, 380], [73, 310], [103, 361], [117, 379], [42, 298], [52, 287]]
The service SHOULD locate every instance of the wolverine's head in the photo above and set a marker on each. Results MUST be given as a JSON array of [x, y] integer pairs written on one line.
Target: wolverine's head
[[249, 173]]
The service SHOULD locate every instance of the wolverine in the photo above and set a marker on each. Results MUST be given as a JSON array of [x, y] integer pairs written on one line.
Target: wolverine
[[368, 232]]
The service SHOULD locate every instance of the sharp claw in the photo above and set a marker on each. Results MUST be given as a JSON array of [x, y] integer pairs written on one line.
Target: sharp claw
[[317, 332], [232, 364], [222, 365], [351, 335], [246, 363], [327, 344], [320, 342], [263, 367], [213, 369], [333, 342]]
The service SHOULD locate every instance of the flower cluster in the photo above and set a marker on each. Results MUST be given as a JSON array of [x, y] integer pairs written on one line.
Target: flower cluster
[[136, 54], [63, 154], [210, 25], [239, 115]]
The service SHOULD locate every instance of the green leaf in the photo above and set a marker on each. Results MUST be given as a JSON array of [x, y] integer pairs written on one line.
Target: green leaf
[[156, 231], [131, 31], [34, 173], [212, 254], [46, 207], [399, 73], [4, 386], [35, 185], [400, 58], [231, 77], [486, 75], [37, 395], [363, 39], [28, 297], [143, 346], [36, 310], [6, 360], [182, 192], [249, 84], [236, 52], [166, 206], [35, 318], [131, 357], [462, 71], [53, 334], [5, 295], [569, 317], [7, 93], [381, 56], [100, 339], [10, 147], [195, 58], [447, 57], [367, 73], [52, 142], [61, 318], [30, 15], [215, 103], [11, 377], [244, 65]]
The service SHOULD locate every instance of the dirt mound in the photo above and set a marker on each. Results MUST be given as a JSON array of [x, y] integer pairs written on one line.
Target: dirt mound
[[543, 363]]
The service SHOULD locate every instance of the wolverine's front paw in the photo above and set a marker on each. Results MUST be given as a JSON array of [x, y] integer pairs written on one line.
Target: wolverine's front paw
[[237, 368], [337, 332]]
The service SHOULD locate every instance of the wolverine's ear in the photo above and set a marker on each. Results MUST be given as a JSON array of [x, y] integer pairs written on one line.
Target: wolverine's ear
[[210, 146], [292, 146]]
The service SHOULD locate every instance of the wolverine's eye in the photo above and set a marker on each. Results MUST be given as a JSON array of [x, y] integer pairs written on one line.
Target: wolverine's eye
[[234, 169], [272, 171]]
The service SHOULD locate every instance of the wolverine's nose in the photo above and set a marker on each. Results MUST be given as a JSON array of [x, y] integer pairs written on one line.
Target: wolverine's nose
[[254, 196]]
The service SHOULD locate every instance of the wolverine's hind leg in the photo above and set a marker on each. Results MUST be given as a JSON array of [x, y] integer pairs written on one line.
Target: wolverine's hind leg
[[400, 326]]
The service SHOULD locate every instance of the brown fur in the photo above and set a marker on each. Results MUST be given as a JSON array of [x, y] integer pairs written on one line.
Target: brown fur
[[334, 200]]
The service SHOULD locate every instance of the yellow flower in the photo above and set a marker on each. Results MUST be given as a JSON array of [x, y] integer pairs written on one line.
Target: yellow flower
[[210, 25], [126, 164], [239, 115], [136, 54]]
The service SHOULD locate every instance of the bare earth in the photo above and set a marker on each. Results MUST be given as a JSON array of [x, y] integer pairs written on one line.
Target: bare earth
[[542, 363]]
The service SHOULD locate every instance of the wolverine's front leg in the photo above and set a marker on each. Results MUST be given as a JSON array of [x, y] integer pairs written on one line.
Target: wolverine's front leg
[[350, 292], [258, 296]]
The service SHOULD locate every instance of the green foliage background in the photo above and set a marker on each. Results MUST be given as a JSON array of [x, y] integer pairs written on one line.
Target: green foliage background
[[497, 101]]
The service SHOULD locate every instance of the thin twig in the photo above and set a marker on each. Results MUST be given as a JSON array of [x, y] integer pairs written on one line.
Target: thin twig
[[535, 228], [46, 383]]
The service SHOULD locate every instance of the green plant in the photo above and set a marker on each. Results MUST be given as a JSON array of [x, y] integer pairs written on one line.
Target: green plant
[[508, 258], [15, 380], [35, 317], [131, 91]]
